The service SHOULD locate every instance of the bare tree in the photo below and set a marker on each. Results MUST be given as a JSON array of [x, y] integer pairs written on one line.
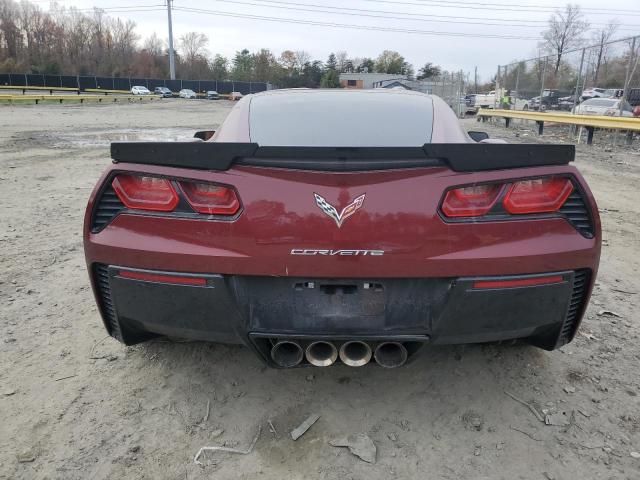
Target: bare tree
[[302, 57], [564, 32], [154, 45], [601, 38], [193, 45], [341, 60]]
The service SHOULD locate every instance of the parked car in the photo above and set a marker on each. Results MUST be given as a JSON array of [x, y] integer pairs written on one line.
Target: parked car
[[476, 101], [235, 96], [315, 255], [163, 91], [140, 90], [566, 103], [592, 93], [613, 93], [213, 95], [187, 93], [550, 100], [604, 106]]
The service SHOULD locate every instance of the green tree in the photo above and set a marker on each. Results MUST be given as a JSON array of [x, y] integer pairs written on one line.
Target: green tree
[[366, 66], [330, 79], [390, 61], [331, 62], [429, 70], [242, 66], [219, 69]]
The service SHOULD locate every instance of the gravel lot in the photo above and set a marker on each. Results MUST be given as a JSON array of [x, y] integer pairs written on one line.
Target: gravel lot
[[74, 405]]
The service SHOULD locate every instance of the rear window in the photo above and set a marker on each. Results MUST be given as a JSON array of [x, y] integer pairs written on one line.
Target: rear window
[[341, 119], [601, 102]]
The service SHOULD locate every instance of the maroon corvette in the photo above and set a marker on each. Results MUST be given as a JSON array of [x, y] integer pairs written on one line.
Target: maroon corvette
[[317, 226]]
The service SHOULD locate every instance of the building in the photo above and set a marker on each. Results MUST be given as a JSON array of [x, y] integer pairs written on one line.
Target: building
[[366, 80], [385, 80]]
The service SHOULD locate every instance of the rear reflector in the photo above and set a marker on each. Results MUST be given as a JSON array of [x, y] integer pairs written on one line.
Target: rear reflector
[[518, 282], [540, 195], [473, 201], [145, 193], [161, 278], [211, 199]]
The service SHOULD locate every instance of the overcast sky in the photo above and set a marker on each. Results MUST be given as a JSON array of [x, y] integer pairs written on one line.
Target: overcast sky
[[519, 18]]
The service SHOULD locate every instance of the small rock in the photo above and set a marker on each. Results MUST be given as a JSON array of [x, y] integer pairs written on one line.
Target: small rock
[[217, 432], [26, 457], [569, 389], [392, 436], [558, 419], [477, 451], [360, 445], [134, 449], [548, 476], [9, 391], [635, 454], [473, 420], [608, 313]]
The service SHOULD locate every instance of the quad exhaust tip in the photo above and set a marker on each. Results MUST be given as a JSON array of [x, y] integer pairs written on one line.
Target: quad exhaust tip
[[391, 354], [287, 354], [355, 353], [321, 353]]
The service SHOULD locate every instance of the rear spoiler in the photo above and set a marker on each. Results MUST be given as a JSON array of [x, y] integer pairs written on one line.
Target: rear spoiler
[[460, 157]]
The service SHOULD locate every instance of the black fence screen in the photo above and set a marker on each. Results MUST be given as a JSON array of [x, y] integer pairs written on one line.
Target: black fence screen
[[22, 80]]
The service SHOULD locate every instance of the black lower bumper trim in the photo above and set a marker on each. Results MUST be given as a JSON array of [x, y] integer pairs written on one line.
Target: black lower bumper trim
[[244, 310]]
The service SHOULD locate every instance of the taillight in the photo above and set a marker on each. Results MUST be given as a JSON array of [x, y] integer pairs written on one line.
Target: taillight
[[211, 199], [145, 193], [541, 195], [473, 201]]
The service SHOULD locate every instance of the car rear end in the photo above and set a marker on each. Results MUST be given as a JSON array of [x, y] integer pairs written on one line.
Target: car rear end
[[306, 261]]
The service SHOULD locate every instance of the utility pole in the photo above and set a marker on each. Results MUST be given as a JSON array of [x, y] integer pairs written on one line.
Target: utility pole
[[172, 64], [475, 80], [627, 77]]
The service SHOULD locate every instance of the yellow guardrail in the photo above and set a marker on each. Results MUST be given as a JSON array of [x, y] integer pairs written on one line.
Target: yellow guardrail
[[37, 99], [49, 89], [105, 91], [590, 122]]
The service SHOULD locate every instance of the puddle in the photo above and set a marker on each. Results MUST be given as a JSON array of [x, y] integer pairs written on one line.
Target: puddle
[[103, 138]]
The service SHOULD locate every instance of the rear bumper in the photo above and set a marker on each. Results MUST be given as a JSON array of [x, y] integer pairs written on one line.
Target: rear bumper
[[544, 308]]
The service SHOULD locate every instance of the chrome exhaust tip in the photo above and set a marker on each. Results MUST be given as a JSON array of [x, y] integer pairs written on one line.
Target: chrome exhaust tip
[[321, 353], [286, 353], [391, 354], [355, 353]]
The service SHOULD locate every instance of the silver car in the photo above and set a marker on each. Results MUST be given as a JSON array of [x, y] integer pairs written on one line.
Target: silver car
[[604, 106]]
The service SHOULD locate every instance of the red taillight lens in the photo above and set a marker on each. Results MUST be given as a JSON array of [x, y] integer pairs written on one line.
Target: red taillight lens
[[211, 199], [537, 196], [473, 201], [145, 193]]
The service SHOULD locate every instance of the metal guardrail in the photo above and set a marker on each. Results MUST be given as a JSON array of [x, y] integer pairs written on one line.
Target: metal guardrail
[[37, 99], [590, 122]]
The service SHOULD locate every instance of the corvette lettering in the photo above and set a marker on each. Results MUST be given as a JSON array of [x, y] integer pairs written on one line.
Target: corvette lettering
[[331, 253]]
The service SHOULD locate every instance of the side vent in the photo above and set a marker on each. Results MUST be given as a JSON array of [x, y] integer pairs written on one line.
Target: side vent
[[107, 207], [576, 211], [576, 306], [106, 303]]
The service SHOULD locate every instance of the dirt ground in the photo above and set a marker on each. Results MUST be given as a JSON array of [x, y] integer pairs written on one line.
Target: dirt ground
[[74, 405]]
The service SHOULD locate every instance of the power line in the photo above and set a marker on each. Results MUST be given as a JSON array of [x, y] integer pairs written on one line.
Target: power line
[[459, 5], [390, 14], [361, 13], [552, 8], [348, 25]]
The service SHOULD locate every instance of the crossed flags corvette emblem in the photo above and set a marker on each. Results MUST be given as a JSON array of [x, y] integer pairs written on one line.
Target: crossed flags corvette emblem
[[332, 212]]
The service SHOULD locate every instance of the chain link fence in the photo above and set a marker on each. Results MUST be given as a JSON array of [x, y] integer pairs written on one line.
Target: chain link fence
[[564, 82], [22, 80]]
